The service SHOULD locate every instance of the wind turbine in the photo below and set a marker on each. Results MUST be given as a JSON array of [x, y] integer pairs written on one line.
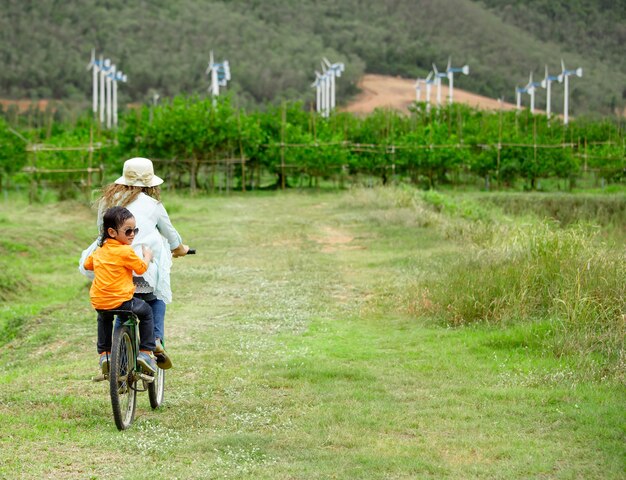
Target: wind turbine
[[545, 83], [438, 76], [450, 72], [94, 66], [220, 76], [334, 71], [104, 84], [223, 73], [530, 89], [563, 76]]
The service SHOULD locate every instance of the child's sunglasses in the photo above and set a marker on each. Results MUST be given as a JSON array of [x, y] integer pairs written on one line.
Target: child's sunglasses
[[131, 231]]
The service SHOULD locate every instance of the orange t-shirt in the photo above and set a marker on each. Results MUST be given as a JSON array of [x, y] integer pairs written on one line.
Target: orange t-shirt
[[113, 265]]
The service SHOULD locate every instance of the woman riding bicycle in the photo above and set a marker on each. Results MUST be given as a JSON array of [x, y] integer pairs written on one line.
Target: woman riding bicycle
[[138, 190]]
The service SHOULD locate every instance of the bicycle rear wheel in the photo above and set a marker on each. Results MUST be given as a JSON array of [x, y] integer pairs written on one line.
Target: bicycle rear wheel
[[156, 389], [121, 377]]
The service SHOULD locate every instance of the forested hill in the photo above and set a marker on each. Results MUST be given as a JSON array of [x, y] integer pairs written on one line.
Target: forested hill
[[275, 46]]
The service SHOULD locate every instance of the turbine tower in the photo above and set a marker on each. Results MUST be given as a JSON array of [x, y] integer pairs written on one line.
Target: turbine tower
[[563, 77], [95, 68], [418, 89], [119, 77], [330, 86], [545, 83], [214, 87], [109, 79], [323, 90], [105, 65], [325, 85], [438, 76], [318, 91], [429, 83], [450, 72], [518, 96], [334, 71]]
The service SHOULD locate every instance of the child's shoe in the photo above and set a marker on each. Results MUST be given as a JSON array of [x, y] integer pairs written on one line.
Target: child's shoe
[[146, 361], [104, 362]]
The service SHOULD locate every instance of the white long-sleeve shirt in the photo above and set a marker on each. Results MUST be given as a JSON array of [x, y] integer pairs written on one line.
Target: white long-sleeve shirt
[[156, 232]]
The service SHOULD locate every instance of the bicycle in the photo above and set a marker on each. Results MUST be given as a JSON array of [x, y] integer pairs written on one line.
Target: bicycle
[[125, 373]]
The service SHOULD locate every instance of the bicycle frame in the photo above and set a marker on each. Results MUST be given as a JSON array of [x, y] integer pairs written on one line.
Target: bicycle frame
[[132, 322]]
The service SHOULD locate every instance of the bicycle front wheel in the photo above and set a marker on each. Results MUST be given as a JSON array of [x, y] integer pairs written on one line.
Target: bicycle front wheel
[[122, 380], [156, 389]]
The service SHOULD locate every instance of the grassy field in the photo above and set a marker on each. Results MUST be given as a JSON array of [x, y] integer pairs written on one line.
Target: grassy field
[[313, 337]]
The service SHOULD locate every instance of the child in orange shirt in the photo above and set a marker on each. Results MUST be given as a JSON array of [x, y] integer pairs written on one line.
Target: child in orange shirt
[[113, 264]]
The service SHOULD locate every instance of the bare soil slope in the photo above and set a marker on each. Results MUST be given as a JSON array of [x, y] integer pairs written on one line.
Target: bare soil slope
[[381, 91]]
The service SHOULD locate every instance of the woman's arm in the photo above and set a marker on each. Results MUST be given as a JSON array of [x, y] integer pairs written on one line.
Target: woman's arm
[[165, 227]]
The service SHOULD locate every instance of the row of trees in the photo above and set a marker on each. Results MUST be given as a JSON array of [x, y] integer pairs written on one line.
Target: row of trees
[[196, 141]]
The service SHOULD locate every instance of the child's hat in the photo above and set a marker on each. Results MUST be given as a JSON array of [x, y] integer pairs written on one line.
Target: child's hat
[[139, 172]]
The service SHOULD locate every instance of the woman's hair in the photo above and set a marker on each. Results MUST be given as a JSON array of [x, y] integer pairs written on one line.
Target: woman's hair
[[113, 218], [123, 195]]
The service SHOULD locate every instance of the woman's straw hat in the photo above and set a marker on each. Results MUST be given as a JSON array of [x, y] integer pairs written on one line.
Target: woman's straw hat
[[139, 172]]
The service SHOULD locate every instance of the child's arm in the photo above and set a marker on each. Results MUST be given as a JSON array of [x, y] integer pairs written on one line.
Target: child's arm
[[88, 263], [147, 254], [135, 263]]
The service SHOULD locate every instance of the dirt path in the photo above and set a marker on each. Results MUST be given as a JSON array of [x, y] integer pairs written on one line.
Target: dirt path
[[381, 91]]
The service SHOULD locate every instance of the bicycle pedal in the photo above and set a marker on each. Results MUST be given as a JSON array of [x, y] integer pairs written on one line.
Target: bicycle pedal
[[146, 378]]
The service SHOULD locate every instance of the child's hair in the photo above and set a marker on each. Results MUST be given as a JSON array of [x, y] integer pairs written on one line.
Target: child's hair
[[113, 218]]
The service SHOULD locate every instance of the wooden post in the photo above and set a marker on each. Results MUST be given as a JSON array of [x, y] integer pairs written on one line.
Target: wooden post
[[532, 184], [241, 156], [314, 126], [33, 177], [282, 147], [192, 173], [499, 146], [89, 160]]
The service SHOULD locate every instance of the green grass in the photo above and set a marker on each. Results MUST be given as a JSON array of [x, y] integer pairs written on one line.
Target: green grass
[[300, 351]]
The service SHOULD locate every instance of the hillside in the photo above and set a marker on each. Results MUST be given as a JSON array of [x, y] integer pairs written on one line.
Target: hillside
[[275, 47], [382, 91]]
